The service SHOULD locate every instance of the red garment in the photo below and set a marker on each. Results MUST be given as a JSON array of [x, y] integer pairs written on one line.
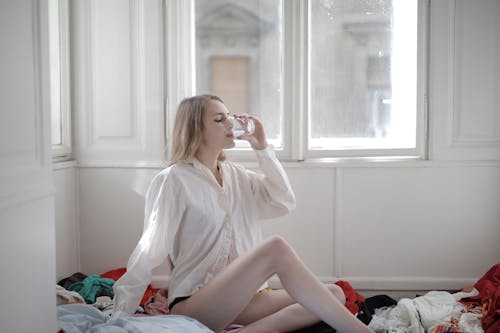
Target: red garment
[[489, 298], [352, 298], [115, 274]]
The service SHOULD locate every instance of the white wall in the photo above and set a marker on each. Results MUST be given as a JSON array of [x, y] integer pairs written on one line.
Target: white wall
[[66, 220], [27, 253], [429, 224]]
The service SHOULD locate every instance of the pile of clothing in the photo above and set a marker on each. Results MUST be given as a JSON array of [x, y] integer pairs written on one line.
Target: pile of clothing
[[97, 290], [475, 309]]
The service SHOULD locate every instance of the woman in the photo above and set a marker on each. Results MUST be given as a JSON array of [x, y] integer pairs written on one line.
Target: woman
[[201, 213]]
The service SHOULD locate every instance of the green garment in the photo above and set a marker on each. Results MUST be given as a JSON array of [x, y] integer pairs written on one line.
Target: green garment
[[91, 286]]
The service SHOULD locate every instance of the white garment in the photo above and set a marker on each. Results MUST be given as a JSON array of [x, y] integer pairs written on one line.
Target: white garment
[[421, 314], [78, 318], [200, 225], [65, 296]]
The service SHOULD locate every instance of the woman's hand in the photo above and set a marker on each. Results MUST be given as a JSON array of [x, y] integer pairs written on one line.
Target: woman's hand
[[258, 138]]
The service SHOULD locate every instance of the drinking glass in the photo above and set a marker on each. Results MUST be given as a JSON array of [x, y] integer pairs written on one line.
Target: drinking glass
[[241, 126]]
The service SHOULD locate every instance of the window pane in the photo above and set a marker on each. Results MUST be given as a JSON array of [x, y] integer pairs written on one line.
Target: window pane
[[55, 86], [238, 57], [363, 65]]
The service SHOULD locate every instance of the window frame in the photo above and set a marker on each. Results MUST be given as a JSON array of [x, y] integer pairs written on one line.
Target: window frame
[[420, 151], [60, 65], [180, 76]]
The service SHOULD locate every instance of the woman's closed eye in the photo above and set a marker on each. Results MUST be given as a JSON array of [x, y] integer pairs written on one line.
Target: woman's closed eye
[[220, 119]]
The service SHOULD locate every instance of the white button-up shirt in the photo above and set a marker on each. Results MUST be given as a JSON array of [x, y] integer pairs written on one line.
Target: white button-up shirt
[[201, 226]]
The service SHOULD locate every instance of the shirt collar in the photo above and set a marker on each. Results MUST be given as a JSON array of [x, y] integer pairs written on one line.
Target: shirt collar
[[204, 169], [200, 166]]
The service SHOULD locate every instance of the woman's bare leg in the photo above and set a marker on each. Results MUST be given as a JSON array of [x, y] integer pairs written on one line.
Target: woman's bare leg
[[264, 304], [219, 302], [288, 318]]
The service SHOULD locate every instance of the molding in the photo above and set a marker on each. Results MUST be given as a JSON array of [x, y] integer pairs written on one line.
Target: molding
[[65, 66], [135, 139], [368, 283], [408, 283], [118, 110], [24, 169], [34, 156], [122, 164], [326, 163], [64, 165], [87, 75], [139, 79], [334, 164], [179, 60], [451, 71], [61, 82], [445, 70], [39, 57], [14, 200], [455, 71], [294, 96], [390, 283], [78, 225], [337, 223]]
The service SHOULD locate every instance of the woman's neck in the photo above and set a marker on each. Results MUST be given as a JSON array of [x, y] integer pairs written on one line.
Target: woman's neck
[[208, 158]]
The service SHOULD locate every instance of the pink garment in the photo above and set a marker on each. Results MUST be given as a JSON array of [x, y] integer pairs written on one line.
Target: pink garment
[[158, 303]]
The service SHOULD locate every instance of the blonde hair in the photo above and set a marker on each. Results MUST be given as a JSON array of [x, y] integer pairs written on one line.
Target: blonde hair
[[188, 128]]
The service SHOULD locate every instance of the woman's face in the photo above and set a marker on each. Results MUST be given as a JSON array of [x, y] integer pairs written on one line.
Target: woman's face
[[217, 131]]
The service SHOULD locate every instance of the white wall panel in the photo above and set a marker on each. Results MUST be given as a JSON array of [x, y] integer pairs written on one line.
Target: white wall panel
[[118, 85], [464, 82], [111, 215], [477, 84], [27, 259], [432, 226], [24, 166], [428, 227], [66, 221], [112, 27], [310, 228], [27, 254]]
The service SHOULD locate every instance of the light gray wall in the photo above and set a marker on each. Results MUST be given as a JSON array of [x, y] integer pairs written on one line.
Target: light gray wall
[[429, 224], [27, 251], [66, 218]]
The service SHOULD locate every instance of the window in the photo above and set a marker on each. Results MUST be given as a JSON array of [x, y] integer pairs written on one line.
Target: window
[[238, 53], [59, 78], [328, 78]]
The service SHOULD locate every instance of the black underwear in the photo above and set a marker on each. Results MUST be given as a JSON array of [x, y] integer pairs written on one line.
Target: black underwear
[[177, 300]]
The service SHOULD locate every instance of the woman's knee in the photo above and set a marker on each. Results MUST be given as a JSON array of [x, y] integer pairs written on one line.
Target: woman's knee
[[277, 251], [277, 245], [337, 292]]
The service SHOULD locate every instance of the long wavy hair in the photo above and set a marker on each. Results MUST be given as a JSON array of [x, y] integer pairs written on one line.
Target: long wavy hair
[[188, 128]]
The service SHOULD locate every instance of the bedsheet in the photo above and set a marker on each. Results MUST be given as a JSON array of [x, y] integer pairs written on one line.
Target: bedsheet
[[79, 318]]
